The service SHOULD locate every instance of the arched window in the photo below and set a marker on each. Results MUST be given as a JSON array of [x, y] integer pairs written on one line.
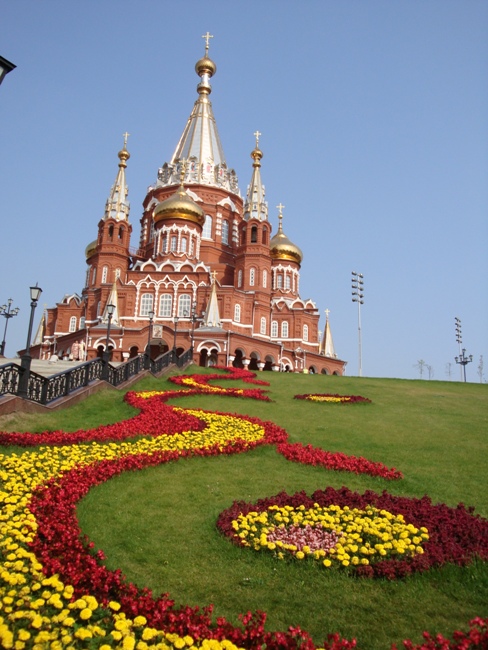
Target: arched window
[[284, 329], [279, 280], [243, 236], [82, 323], [237, 313], [184, 244], [274, 329], [94, 274], [239, 278], [87, 280], [147, 301], [254, 234], [174, 242], [265, 278], [263, 325], [287, 281], [305, 332], [265, 235], [225, 232], [72, 324], [117, 273], [252, 277], [184, 306], [121, 232], [104, 274], [165, 305], [207, 227], [164, 243], [110, 232]]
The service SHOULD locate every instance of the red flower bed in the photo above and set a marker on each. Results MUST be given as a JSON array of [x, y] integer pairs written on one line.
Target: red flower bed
[[455, 534]]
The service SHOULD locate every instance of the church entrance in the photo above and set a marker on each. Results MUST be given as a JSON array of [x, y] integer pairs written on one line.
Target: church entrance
[[237, 363]]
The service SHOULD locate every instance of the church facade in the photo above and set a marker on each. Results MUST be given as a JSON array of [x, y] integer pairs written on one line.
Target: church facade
[[207, 272]]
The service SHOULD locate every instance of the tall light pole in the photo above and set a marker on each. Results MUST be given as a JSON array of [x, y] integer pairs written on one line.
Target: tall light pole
[[149, 336], [106, 354], [459, 340], [463, 360], [357, 296], [7, 313], [26, 359]]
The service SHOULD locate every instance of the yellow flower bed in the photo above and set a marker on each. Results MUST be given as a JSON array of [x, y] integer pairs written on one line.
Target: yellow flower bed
[[36, 611]]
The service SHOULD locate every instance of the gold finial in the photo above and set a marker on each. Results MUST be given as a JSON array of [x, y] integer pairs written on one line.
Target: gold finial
[[327, 312], [214, 276], [207, 37], [280, 208], [126, 135], [257, 134]]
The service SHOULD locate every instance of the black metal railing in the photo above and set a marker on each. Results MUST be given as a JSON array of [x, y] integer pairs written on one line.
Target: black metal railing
[[45, 390]]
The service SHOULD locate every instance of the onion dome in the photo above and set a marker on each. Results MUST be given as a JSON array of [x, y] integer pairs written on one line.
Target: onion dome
[[281, 248], [179, 206], [91, 248], [205, 65]]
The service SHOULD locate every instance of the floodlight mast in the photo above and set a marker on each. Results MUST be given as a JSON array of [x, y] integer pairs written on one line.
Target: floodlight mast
[[357, 296], [459, 339]]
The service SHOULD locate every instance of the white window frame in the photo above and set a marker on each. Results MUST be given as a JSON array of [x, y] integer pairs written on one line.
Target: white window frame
[[165, 305], [237, 313], [147, 303], [184, 305], [284, 329], [263, 325], [274, 329], [72, 324], [207, 227]]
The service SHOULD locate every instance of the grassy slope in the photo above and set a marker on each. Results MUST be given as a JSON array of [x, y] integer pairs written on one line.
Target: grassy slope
[[158, 525]]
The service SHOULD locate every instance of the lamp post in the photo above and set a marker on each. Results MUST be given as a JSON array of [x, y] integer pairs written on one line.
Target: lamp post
[[149, 336], [106, 353], [7, 313], [463, 360], [174, 338], [5, 68], [357, 296], [193, 321], [26, 359], [459, 340]]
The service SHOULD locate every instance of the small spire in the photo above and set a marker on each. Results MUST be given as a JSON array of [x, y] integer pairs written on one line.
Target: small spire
[[280, 207], [117, 206], [212, 315], [327, 348], [255, 206], [113, 299]]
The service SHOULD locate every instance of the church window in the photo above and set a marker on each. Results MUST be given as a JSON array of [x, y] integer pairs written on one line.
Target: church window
[[104, 274], [237, 313], [184, 244], [165, 305], [265, 236], [274, 329], [305, 332], [121, 232], [82, 323], [287, 282], [265, 278], [225, 232], [87, 276], [252, 277], [279, 281], [192, 246], [184, 306], [239, 278], [207, 227], [94, 274], [117, 273], [110, 232], [263, 325], [72, 324], [164, 243], [147, 300], [243, 236], [99, 309], [174, 242], [254, 234], [284, 329]]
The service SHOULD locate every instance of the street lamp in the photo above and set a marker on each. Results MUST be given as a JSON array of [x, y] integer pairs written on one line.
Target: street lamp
[[193, 321], [149, 336], [357, 296], [26, 359], [106, 354], [459, 339], [7, 313], [463, 360], [5, 68], [174, 339]]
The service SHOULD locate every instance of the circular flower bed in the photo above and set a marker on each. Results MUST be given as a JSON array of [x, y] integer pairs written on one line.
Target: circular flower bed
[[334, 399], [374, 535]]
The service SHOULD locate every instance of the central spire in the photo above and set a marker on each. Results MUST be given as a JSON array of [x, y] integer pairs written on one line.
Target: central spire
[[200, 143]]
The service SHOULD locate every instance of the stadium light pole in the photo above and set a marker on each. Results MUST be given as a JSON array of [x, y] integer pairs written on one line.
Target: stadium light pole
[[463, 360], [357, 296], [459, 340], [7, 313]]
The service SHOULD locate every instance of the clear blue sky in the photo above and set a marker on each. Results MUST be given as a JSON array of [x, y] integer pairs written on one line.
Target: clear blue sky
[[374, 122]]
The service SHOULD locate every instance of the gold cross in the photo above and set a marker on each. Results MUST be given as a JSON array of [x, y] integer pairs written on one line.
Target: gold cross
[[207, 36], [257, 134], [327, 312], [126, 135], [280, 207], [214, 276]]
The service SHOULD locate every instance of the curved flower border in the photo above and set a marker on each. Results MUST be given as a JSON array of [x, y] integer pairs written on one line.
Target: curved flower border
[[329, 398], [39, 535]]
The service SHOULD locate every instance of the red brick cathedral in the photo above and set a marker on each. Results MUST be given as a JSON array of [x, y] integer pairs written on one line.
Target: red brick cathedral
[[207, 272]]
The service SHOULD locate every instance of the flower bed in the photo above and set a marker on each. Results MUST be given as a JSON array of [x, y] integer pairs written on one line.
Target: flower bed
[[55, 591], [334, 399]]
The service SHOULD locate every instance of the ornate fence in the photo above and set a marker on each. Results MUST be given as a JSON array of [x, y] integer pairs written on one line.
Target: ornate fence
[[45, 390]]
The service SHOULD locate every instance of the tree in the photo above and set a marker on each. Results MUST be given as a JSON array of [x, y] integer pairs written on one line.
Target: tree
[[449, 370]]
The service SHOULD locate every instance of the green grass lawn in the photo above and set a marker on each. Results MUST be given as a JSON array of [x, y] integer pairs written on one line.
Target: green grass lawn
[[158, 524]]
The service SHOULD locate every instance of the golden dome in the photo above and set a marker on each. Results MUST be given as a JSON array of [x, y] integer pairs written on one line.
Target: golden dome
[[205, 65], [179, 206], [90, 249], [124, 156], [281, 248]]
